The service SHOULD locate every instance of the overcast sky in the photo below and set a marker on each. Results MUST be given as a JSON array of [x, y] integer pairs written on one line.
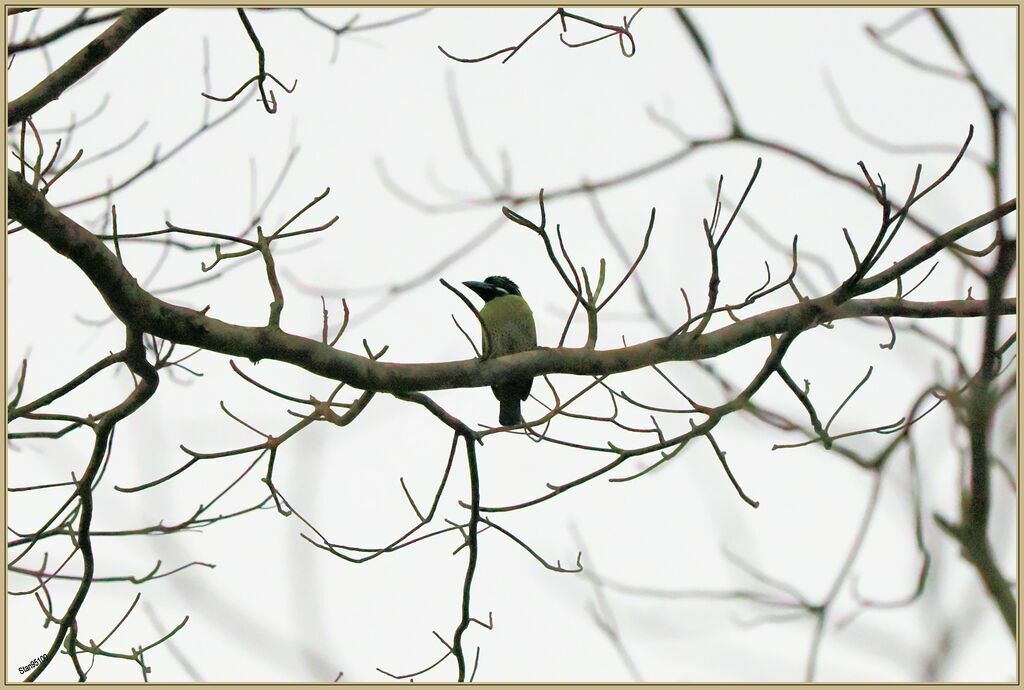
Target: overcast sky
[[277, 609]]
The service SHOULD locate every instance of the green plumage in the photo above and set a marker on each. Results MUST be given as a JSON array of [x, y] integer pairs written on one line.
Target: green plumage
[[510, 324]]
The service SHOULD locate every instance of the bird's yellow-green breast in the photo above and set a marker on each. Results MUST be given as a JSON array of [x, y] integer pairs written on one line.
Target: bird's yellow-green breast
[[510, 325]]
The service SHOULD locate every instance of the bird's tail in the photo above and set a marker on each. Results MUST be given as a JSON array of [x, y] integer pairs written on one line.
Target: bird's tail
[[509, 413]]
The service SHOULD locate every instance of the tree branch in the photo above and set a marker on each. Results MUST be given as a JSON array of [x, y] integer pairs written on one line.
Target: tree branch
[[135, 306], [80, 64]]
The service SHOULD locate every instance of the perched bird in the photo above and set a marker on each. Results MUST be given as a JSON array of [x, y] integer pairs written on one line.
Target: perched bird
[[510, 326]]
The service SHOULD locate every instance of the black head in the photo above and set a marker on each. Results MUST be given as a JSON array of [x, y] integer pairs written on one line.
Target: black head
[[493, 287]]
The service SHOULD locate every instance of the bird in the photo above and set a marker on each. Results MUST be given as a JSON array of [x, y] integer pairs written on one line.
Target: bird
[[508, 327]]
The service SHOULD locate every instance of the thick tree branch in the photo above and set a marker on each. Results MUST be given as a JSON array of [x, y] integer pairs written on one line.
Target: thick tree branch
[[472, 530], [82, 20], [147, 381], [138, 308], [80, 64]]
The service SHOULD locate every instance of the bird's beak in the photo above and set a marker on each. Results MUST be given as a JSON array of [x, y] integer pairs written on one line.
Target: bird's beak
[[482, 289]]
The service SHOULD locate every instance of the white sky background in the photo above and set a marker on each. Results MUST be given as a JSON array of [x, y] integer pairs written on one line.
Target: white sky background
[[275, 608]]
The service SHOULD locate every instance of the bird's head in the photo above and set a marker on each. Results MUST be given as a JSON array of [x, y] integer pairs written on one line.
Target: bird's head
[[493, 287]]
